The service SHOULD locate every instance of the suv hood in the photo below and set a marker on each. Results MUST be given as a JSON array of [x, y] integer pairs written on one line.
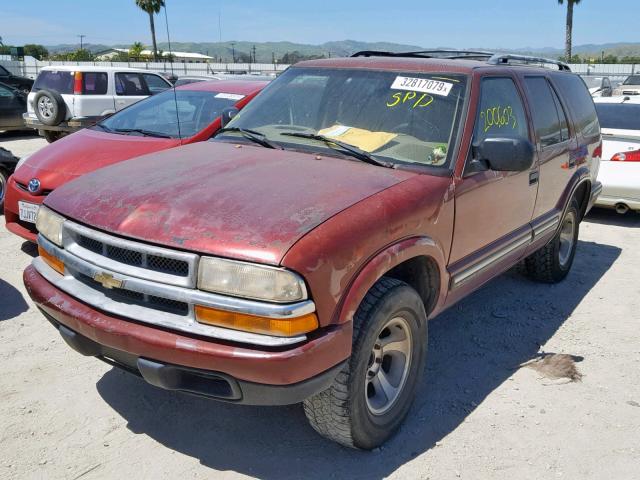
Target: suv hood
[[238, 201], [83, 152]]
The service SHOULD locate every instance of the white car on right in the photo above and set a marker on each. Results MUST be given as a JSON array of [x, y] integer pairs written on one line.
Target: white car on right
[[620, 162]]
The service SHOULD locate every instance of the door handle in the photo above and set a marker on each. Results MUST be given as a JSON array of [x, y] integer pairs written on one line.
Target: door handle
[[533, 177]]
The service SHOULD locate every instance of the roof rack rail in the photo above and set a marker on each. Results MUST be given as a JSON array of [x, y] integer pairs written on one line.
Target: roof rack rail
[[505, 59], [439, 53]]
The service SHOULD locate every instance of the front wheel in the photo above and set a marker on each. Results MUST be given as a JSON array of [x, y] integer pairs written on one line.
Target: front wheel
[[4, 176], [552, 263], [373, 393]]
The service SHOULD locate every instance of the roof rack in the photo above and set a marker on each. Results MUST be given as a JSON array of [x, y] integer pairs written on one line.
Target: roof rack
[[448, 54], [506, 59], [490, 57]]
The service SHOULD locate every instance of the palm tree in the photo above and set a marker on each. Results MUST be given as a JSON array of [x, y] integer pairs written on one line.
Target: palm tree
[[151, 7], [567, 45], [135, 51]]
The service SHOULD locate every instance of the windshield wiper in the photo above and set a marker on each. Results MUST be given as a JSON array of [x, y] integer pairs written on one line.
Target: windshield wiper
[[355, 152], [146, 133], [253, 135]]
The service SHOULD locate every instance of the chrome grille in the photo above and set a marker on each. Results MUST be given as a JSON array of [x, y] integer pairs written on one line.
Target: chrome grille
[[129, 257], [136, 298]]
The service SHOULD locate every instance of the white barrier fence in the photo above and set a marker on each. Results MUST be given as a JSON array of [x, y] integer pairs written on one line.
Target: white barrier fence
[[30, 67]]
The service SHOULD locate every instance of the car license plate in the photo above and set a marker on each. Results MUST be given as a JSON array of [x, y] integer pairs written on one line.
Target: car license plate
[[28, 211]]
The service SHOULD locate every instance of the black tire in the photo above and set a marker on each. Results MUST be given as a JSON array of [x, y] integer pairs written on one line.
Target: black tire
[[552, 263], [51, 135], [343, 413], [4, 177], [49, 107]]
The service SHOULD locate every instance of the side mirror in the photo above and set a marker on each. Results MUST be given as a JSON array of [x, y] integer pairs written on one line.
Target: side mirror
[[505, 154], [227, 115]]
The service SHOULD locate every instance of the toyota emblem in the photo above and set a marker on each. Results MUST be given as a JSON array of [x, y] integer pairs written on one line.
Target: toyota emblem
[[34, 185]]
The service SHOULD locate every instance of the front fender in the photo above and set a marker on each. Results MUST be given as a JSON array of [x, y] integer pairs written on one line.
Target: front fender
[[386, 260]]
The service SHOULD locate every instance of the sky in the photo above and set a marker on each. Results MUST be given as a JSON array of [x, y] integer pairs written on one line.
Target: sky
[[428, 23]]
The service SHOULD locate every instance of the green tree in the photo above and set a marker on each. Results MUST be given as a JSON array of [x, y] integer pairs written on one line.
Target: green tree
[[151, 7], [135, 51], [81, 55], [569, 30], [36, 51]]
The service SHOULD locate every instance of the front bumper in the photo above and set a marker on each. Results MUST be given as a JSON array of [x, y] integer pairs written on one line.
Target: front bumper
[[190, 363], [71, 125], [14, 194]]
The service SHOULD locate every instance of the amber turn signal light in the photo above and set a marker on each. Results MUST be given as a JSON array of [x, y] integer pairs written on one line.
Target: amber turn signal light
[[52, 261], [288, 327]]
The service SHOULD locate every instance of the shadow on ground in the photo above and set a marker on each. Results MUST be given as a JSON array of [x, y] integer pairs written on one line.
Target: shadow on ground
[[30, 249], [6, 136], [473, 348], [11, 302], [606, 216]]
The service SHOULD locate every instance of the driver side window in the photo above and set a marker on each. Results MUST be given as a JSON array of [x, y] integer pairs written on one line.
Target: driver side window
[[500, 112]]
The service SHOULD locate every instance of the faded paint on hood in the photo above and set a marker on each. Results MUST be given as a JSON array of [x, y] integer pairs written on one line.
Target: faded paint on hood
[[83, 152], [237, 201]]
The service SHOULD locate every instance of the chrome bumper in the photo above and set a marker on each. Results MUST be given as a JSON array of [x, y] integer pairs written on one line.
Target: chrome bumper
[[76, 268]]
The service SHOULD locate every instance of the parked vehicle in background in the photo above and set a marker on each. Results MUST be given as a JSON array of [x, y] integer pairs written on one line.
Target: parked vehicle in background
[[169, 76], [8, 163], [620, 167], [148, 126], [187, 79], [23, 84], [13, 104], [67, 99], [299, 255], [598, 86], [630, 86]]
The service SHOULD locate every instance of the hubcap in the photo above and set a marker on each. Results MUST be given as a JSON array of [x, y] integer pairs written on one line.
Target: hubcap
[[388, 367], [566, 240], [45, 106]]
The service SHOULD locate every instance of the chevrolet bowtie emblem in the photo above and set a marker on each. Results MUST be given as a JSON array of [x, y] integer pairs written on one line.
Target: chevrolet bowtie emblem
[[107, 280]]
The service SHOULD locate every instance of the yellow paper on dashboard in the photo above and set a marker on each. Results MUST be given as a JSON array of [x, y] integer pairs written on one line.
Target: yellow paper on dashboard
[[363, 139]]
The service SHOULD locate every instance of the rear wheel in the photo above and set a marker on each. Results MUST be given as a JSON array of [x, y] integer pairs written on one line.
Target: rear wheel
[[49, 107], [552, 263], [373, 393]]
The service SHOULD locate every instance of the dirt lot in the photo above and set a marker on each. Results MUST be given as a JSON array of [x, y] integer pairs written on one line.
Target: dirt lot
[[477, 414]]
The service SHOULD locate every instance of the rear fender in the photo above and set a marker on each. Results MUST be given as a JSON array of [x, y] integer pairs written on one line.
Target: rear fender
[[383, 262]]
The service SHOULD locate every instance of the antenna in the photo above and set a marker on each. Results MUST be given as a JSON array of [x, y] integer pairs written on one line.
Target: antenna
[[175, 95], [220, 25]]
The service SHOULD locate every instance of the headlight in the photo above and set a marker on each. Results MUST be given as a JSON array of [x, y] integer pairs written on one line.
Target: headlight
[[21, 162], [247, 280], [49, 224]]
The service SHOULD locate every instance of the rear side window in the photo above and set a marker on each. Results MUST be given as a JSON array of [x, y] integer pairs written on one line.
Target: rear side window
[[501, 113], [619, 116], [155, 83], [575, 93], [130, 84], [548, 116], [94, 83], [61, 82]]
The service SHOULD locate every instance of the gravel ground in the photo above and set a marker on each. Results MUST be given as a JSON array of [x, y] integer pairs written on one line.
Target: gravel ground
[[477, 415]]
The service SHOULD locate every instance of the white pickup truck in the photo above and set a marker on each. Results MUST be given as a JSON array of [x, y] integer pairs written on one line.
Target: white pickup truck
[[68, 98]]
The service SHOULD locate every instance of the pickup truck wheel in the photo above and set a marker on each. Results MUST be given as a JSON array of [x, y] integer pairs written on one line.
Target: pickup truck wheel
[[373, 393], [49, 107], [552, 263]]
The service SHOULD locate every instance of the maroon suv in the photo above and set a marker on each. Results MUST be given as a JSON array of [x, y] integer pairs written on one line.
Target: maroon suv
[[299, 255]]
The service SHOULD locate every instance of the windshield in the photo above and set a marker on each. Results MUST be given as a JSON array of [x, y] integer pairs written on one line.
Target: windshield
[[399, 118], [619, 116], [632, 80], [4, 72], [593, 82], [157, 114]]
